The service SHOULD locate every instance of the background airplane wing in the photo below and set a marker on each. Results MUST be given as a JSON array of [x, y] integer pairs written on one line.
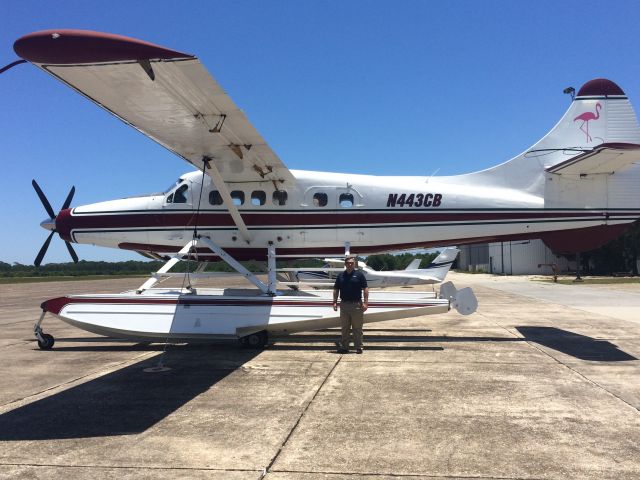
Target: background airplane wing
[[167, 95]]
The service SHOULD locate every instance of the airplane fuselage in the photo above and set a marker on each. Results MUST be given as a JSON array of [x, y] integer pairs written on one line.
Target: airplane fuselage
[[321, 211]]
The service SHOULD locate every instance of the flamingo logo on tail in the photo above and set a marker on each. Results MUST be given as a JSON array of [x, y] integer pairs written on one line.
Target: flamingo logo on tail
[[586, 117]]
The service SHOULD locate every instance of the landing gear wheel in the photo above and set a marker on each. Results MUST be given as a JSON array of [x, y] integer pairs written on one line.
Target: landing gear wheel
[[255, 340], [47, 341]]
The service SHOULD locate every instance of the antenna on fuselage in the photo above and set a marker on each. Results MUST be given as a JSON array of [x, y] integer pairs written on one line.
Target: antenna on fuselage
[[433, 174]]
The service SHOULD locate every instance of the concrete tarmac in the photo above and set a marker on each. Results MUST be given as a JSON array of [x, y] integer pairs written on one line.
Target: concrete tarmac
[[543, 382]]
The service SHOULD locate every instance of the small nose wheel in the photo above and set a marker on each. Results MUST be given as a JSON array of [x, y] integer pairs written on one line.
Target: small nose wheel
[[45, 341]]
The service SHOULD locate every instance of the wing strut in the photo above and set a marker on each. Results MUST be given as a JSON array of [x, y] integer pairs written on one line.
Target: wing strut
[[268, 289], [218, 181], [167, 266]]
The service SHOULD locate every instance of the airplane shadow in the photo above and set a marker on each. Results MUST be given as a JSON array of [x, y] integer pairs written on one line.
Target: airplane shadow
[[130, 401], [576, 345], [127, 401]]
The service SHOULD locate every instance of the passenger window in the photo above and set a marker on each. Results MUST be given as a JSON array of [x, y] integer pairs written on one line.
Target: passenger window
[[346, 200], [238, 197], [180, 195], [280, 197], [215, 198], [320, 199], [258, 197]]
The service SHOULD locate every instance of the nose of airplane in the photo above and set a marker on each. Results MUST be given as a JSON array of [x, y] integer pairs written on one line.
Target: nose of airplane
[[49, 224]]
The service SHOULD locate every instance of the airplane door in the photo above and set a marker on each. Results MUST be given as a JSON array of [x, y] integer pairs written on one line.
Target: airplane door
[[320, 216], [350, 217]]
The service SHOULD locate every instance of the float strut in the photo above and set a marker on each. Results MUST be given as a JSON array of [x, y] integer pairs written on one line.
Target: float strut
[[271, 269]]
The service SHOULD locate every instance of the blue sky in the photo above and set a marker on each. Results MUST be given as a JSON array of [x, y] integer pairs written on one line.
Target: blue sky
[[390, 88]]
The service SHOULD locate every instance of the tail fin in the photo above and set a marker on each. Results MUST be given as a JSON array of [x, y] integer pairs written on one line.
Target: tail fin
[[414, 265], [441, 265], [599, 114]]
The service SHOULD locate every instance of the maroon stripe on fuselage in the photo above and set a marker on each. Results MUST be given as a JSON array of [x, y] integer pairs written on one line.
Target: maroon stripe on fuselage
[[67, 221], [55, 305]]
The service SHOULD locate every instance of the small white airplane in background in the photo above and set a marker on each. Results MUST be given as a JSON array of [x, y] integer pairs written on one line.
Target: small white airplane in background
[[325, 276], [575, 189]]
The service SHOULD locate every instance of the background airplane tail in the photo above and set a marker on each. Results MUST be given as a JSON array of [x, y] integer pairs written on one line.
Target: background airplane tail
[[441, 265]]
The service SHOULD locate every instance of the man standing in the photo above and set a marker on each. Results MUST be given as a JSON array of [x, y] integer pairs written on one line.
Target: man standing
[[351, 284]]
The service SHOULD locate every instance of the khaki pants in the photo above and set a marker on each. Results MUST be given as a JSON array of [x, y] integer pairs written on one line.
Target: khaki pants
[[351, 317]]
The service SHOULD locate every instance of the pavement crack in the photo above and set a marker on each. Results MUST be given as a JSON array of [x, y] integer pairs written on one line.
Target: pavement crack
[[584, 377], [408, 475], [129, 467], [302, 414]]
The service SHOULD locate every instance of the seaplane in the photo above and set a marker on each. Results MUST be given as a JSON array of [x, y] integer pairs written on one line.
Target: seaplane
[[325, 276], [576, 189]]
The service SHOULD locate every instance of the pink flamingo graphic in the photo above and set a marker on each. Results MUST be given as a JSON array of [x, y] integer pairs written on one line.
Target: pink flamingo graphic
[[586, 117]]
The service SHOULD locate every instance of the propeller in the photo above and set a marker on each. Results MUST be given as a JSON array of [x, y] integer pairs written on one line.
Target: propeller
[[51, 223]]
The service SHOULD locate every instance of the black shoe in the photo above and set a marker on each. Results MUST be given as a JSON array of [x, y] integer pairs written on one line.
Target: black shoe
[[358, 350], [343, 350]]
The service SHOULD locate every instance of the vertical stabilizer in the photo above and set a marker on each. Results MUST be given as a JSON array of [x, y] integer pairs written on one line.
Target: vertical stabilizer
[[599, 114]]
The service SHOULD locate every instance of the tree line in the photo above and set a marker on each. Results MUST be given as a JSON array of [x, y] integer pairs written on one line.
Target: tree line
[[145, 267], [618, 256]]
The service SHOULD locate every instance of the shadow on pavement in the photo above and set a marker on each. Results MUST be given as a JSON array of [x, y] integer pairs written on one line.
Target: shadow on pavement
[[578, 346], [127, 401]]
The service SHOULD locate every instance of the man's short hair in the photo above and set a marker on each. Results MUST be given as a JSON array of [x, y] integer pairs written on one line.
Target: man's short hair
[[350, 257]]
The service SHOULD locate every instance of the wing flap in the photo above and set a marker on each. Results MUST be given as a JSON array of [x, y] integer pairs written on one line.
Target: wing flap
[[604, 159]]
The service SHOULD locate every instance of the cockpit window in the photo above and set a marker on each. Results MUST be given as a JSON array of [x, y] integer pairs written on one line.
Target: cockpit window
[[215, 198], [179, 196], [280, 197], [174, 185], [238, 197]]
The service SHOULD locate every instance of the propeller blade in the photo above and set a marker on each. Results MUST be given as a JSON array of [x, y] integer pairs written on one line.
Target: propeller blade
[[43, 199], [43, 250], [67, 202], [72, 252]]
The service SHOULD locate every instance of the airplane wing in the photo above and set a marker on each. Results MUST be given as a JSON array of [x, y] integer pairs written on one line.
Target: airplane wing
[[334, 262], [605, 158], [167, 95]]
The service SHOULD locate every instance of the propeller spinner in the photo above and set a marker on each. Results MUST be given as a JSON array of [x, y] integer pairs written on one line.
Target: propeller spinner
[[50, 223]]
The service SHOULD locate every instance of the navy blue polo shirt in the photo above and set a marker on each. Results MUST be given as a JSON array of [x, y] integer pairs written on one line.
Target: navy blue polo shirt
[[350, 285]]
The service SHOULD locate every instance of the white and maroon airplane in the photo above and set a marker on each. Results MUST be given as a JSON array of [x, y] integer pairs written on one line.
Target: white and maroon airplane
[[576, 188]]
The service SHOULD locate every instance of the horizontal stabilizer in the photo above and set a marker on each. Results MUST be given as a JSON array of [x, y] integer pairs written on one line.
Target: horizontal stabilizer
[[605, 158]]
